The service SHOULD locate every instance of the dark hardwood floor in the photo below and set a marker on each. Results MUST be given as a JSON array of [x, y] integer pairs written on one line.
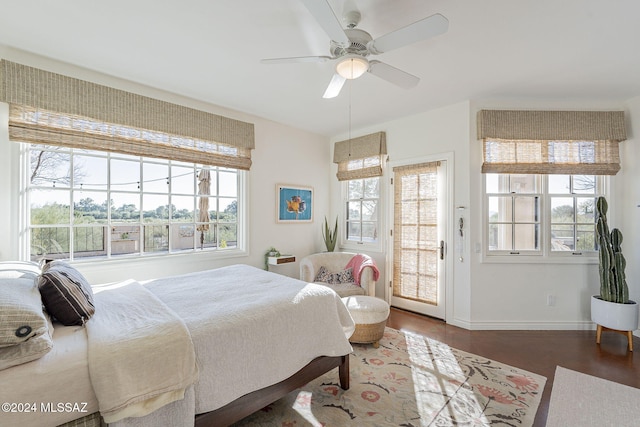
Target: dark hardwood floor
[[536, 351]]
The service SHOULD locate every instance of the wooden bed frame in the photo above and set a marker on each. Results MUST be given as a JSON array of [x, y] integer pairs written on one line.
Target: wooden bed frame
[[254, 401]]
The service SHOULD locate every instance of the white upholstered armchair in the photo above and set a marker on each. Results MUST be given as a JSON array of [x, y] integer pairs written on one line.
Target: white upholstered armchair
[[335, 262]]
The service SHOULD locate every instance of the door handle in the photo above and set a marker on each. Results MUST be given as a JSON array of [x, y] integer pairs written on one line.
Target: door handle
[[441, 249]]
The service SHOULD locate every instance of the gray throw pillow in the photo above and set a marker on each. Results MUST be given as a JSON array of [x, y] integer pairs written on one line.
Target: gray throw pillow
[[25, 330], [32, 349], [21, 315]]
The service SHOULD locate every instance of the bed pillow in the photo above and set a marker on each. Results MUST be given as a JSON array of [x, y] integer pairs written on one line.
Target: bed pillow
[[21, 315], [66, 294], [32, 349]]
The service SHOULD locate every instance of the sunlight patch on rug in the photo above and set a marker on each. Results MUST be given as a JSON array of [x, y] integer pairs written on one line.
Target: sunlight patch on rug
[[302, 406], [410, 381], [434, 360]]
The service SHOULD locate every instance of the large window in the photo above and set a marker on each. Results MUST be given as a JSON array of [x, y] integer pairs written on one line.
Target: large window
[[547, 215], [362, 207], [88, 204]]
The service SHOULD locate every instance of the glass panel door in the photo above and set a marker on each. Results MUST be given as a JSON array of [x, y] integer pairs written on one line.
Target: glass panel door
[[418, 238]]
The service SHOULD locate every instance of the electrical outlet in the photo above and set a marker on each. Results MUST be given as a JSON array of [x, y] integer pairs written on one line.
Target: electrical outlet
[[551, 300]]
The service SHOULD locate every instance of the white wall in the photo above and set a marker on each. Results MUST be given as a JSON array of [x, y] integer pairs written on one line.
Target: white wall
[[511, 296], [628, 197], [514, 296], [287, 156], [282, 155], [440, 131], [8, 184]]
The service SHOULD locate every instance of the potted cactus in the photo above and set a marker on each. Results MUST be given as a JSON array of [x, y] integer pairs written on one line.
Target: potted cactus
[[612, 309]]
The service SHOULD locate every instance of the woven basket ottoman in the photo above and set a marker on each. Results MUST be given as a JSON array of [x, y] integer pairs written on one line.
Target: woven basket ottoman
[[370, 315]]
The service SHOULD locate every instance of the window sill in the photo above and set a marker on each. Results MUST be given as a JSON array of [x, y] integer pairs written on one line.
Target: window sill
[[135, 259], [363, 247], [539, 259]]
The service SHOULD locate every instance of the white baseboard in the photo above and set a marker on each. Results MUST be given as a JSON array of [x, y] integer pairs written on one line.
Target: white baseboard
[[517, 326], [460, 323]]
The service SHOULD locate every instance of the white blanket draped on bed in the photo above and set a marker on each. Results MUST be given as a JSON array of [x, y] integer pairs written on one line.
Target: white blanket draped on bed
[[140, 352], [250, 329], [253, 328]]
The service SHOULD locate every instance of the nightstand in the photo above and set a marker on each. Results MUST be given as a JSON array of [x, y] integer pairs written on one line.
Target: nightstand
[[282, 259]]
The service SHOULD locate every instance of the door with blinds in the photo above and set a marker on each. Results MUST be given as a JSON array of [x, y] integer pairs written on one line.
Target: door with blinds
[[417, 278]]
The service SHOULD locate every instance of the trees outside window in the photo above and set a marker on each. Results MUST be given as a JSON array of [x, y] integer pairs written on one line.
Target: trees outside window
[[541, 214], [85, 204], [362, 205]]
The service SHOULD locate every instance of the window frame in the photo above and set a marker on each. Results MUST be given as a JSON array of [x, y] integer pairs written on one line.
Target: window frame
[[216, 252], [545, 254], [343, 218], [539, 194]]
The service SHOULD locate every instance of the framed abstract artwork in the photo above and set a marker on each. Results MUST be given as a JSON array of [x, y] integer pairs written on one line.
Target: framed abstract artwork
[[294, 203]]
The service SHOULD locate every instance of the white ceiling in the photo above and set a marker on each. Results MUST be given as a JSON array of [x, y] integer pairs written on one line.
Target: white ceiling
[[570, 50]]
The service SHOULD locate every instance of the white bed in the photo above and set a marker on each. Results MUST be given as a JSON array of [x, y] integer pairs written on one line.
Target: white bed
[[62, 375], [250, 329]]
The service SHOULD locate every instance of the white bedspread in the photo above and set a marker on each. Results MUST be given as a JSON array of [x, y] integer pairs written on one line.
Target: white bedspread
[[253, 328], [140, 353], [250, 329]]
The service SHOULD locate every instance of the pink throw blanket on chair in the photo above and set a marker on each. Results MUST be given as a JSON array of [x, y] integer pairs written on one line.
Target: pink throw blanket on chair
[[358, 263]]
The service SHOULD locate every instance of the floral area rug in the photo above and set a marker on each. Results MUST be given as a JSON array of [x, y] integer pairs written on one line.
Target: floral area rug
[[411, 380]]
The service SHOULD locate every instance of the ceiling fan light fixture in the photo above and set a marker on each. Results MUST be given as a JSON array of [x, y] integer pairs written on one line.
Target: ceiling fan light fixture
[[352, 66]]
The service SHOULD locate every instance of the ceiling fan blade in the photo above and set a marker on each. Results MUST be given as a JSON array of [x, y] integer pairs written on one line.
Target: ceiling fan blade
[[393, 75], [295, 59], [426, 28], [335, 85], [322, 12]]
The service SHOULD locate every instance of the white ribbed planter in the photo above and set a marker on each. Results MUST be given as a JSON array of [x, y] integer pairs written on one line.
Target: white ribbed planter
[[612, 315]]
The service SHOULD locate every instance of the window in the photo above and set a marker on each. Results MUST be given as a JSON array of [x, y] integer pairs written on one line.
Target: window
[[514, 212], [572, 212], [544, 215], [362, 207], [87, 204], [360, 162], [543, 172]]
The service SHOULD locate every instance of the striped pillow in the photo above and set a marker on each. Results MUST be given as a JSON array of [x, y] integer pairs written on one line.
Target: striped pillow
[[32, 349], [21, 316], [66, 294]]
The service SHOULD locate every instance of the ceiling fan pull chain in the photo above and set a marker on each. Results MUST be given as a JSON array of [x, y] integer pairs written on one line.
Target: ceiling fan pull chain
[[350, 81]]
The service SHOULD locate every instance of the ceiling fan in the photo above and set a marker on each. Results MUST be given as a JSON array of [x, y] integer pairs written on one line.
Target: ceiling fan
[[351, 47]]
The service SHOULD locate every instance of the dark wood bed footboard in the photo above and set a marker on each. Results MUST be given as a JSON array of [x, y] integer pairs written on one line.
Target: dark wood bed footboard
[[254, 401], [248, 404]]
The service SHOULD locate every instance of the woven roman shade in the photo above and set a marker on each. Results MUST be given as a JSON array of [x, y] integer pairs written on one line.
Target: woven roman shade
[[360, 157], [551, 142], [415, 235], [49, 108]]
